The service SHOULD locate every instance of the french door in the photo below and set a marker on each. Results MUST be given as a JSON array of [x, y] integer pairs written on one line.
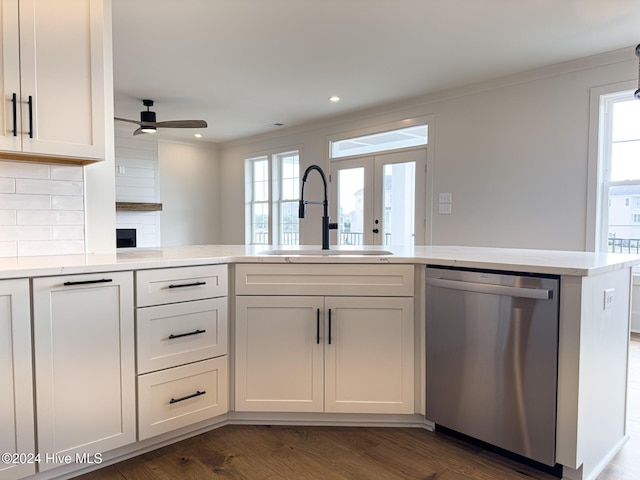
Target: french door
[[380, 200]]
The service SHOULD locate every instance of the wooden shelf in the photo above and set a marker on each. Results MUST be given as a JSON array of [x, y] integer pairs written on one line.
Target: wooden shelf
[[139, 206]]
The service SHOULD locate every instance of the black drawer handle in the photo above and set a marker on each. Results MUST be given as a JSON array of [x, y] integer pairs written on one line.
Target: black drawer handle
[[87, 282], [197, 394], [194, 284], [196, 332]]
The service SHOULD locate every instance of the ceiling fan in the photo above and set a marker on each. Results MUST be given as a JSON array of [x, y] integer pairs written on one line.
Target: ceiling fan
[[148, 124]]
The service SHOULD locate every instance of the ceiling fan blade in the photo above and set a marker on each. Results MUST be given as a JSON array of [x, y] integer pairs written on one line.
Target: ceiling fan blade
[[127, 120], [138, 131], [182, 124]]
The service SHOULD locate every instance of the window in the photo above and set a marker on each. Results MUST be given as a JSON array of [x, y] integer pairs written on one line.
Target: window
[[258, 200], [620, 172], [271, 196], [379, 142], [289, 194]]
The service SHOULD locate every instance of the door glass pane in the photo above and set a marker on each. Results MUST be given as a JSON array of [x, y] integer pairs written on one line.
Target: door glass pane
[[398, 222], [351, 206]]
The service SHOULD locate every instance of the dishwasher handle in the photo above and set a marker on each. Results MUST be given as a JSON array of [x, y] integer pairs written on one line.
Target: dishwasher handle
[[536, 293]]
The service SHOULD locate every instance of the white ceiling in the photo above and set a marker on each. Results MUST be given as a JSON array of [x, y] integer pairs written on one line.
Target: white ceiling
[[242, 65]]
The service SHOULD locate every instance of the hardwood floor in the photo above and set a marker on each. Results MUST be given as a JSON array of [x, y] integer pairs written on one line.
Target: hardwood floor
[[350, 453]]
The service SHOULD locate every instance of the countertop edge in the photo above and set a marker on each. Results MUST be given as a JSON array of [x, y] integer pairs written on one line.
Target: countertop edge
[[580, 264]]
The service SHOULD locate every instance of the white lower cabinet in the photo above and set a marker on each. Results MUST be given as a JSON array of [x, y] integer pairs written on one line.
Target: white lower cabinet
[[84, 364], [16, 374], [181, 396], [181, 347], [331, 354]]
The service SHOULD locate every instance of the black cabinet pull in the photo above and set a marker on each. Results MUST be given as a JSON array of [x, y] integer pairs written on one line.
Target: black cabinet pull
[[194, 284], [14, 99], [30, 116], [197, 394], [318, 326], [329, 326], [87, 282], [180, 335]]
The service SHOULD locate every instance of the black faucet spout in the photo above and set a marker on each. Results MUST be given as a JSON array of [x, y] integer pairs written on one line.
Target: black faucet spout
[[326, 222]]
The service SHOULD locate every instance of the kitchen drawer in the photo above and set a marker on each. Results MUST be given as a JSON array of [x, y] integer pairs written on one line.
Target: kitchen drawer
[[172, 335], [170, 285], [181, 396], [325, 279]]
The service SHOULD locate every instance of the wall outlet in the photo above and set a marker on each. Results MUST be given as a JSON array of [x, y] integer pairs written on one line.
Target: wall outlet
[[608, 298]]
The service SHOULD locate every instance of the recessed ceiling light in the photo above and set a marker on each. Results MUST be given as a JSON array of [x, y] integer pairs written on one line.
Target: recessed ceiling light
[[275, 125], [197, 135], [334, 99]]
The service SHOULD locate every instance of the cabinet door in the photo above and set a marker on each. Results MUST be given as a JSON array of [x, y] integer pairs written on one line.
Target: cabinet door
[[62, 63], [16, 400], [369, 361], [10, 76], [84, 363], [279, 354]]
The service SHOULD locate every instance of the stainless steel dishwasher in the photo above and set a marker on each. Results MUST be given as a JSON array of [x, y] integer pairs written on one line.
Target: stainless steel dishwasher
[[492, 356]]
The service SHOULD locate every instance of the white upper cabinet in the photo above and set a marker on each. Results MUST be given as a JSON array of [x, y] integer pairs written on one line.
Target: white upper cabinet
[[53, 78]]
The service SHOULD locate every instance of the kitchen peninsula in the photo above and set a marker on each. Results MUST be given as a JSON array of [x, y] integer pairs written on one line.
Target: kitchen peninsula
[[156, 284]]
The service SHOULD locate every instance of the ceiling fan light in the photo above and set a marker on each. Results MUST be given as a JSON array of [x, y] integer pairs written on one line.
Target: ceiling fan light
[[148, 129]]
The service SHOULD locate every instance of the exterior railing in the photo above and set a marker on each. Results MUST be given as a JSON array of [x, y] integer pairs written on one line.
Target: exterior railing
[[624, 245]]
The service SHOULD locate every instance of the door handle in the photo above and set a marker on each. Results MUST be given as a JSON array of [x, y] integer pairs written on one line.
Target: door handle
[[14, 100], [30, 116], [375, 230]]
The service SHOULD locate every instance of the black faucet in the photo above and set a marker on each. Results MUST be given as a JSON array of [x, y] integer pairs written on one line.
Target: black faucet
[[326, 225]]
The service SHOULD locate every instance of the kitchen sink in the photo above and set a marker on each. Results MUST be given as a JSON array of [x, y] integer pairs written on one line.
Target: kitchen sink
[[294, 251]]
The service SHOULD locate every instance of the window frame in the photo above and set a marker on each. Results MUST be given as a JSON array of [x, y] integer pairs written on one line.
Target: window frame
[[597, 173], [602, 101], [276, 200]]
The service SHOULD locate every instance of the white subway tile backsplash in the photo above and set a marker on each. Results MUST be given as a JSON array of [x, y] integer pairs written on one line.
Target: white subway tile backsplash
[[50, 217], [68, 232], [23, 170], [7, 217], [24, 202], [41, 209], [8, 249], [48, 187], [67, 202], [25, 232], [67, 172], [7, 185], [52, 247]]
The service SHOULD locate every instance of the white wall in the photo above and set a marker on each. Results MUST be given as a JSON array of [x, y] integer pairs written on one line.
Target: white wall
[[513, 152], [190, 191]]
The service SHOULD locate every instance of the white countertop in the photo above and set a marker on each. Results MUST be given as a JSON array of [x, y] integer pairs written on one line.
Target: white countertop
[[517, 260]]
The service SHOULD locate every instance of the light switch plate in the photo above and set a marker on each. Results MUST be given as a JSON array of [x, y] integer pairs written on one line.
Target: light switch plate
[[444, 209], [444, 197]]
